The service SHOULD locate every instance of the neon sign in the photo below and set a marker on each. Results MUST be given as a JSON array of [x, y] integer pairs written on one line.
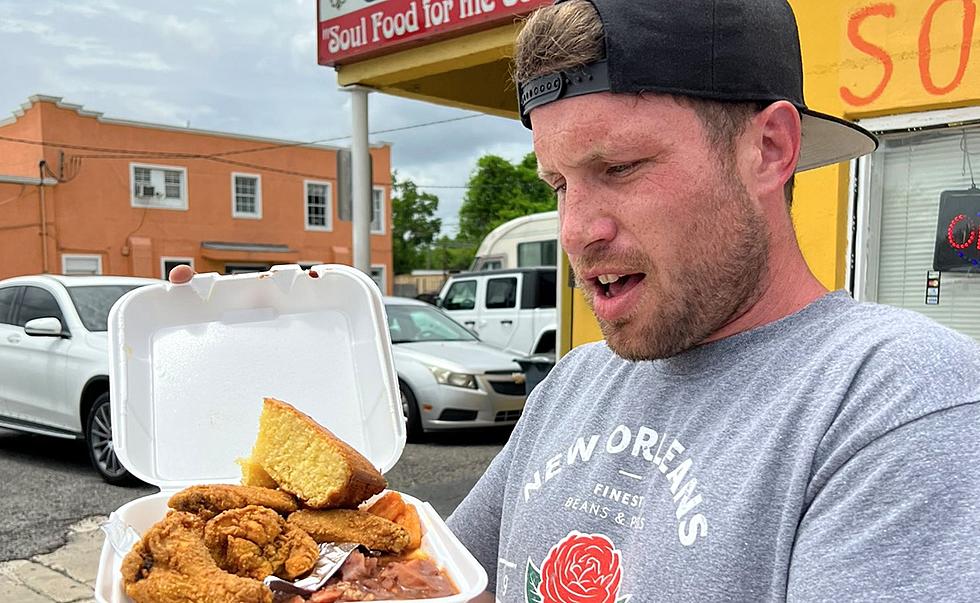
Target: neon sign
[[958, 232]]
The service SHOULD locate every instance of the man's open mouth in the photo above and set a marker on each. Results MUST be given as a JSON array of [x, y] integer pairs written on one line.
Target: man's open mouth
[[611, 285]]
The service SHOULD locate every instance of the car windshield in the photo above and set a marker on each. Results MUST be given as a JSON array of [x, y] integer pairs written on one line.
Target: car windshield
[[423, 323], [93, 303]]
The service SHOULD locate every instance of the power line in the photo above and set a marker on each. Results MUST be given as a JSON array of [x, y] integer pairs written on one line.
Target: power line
[[184, 155], [335, 138]]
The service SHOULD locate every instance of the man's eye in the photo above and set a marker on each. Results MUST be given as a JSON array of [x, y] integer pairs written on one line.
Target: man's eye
[[622, 168]]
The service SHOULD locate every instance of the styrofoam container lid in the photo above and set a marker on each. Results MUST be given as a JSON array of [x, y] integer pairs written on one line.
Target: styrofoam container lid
[[190, 365]]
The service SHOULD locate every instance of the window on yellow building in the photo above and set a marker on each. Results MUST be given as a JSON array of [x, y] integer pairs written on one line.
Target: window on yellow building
[[246, 196], [319, 213], [901, 225]]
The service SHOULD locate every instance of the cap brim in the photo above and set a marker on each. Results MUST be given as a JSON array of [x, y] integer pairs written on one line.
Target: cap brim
[[828, 140]]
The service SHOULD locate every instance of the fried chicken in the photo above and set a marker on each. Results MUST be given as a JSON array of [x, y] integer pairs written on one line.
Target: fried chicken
[[348, 525], [208, 501], [171, 564], [256, 542]]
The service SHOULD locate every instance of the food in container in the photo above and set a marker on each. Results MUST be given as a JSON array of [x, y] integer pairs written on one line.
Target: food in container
[[186, 361]]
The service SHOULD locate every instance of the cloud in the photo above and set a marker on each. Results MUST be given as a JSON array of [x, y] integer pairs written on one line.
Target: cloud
[[241, 66], [142, 61]]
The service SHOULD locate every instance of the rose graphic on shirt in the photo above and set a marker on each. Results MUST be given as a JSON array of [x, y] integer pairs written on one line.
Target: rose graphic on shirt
[[581, 568]]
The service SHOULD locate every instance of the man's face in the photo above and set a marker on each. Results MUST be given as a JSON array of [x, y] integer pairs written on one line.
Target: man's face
[[665, 242]]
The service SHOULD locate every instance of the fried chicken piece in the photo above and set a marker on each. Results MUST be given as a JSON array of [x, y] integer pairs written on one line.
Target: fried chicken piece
[[349, 525], [171, 564], [256, 542], [208, 501]]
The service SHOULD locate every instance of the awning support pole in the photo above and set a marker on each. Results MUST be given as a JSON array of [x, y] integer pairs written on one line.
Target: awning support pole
[[360, 179]]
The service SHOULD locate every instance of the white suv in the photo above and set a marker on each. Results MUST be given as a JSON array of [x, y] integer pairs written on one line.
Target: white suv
[[54, 360], [513, 309]]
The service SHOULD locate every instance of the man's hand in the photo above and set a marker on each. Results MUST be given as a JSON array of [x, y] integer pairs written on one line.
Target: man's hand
[[181, 274]]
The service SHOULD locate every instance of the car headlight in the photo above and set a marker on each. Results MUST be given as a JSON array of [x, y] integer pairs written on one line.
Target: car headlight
[[447, 377]]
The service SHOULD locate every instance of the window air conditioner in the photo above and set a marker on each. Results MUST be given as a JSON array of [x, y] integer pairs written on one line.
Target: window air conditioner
[[145, 190]]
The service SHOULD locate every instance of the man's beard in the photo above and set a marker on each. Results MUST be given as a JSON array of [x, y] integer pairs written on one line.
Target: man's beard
[[682, 307]]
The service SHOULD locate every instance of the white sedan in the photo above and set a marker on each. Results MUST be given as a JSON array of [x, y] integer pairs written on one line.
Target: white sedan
[[54, 369], [448, 378]]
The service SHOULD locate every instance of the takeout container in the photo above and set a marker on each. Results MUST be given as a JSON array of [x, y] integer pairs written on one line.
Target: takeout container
[[190, 365]]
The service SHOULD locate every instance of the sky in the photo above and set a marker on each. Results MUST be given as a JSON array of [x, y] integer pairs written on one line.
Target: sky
[[239, 66]]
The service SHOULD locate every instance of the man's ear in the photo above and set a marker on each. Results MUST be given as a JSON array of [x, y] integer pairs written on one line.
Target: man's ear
[[775, 134]]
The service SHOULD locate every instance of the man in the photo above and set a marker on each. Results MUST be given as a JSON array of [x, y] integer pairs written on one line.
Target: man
[[741, 434]]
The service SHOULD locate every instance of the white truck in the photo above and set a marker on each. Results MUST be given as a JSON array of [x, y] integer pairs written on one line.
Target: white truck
[[513, 309], [522, 242]]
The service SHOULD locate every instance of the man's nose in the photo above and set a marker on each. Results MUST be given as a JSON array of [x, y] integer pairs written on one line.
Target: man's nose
[[583, 221]]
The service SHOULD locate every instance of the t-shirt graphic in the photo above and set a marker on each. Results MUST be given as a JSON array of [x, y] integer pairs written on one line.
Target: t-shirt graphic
[[581, 568]]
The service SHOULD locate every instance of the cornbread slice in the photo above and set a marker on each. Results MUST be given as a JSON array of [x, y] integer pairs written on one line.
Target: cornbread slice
[[254, 475], [306, 459]]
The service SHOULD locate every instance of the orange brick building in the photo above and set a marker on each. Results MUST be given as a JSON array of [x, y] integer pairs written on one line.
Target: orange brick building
[[130, 198]]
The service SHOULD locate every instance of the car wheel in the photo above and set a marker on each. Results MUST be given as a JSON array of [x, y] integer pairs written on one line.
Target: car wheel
[[98, 440], [410, 408]]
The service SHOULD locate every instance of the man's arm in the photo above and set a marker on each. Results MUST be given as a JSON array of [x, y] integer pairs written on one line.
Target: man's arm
[[900, 520]]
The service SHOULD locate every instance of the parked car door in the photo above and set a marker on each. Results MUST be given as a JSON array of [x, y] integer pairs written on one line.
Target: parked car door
[[500, 322], [460, 301], [10, 335], [37, 390]]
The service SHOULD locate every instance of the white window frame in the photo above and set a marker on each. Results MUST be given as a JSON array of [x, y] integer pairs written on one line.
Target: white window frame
[[66, 257], [169, 258], [184, 189], [382, 209], [865, 212], [306, 206], [258, 197], [384, 276]]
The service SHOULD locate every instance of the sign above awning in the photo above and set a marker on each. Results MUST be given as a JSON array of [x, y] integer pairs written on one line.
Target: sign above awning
[[357, 29]]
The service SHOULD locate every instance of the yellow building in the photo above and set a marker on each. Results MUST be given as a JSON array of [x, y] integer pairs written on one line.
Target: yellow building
[[908, 70]]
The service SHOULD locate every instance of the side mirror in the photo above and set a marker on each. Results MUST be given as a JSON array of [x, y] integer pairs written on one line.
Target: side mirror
[[437, 302], [44, 327]]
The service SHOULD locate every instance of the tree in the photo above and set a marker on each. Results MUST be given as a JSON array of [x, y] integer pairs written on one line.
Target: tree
[[499, 191], [415, 225]]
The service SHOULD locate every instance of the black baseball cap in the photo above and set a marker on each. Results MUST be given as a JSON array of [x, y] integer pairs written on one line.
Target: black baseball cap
[[724, 50]]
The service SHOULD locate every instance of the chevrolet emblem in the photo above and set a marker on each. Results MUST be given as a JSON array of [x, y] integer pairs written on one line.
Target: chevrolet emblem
[[518, 378]]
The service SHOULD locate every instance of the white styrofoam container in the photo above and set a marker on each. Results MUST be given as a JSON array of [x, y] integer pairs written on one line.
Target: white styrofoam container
[[190, 365]]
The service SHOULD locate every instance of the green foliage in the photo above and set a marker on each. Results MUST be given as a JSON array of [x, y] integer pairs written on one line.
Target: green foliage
[[415, 224], [448, 254], [500, 191]]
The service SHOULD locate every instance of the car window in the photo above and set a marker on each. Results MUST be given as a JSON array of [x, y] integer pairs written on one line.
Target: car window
[[461, 296], [501, 293], [7, 297], [423, 323], [38, 303], [94, 302]]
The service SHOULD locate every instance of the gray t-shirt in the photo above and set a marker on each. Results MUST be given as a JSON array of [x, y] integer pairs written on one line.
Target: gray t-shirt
[[832, 455]]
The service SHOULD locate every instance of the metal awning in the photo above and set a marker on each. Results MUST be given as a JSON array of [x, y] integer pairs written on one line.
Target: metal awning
[[246, 247]]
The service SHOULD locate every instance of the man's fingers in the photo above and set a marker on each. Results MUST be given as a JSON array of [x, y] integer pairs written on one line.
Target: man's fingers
[[181, 274]]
